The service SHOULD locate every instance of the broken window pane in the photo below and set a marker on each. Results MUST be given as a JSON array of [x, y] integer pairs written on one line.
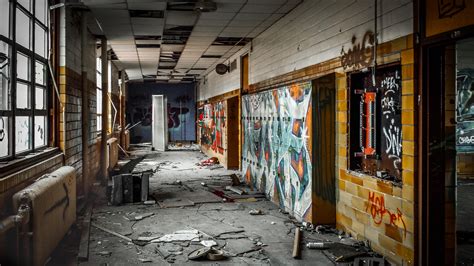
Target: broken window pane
[[22, 96], [4, 17], [22, 133], [4, 77], [40, 10], [40, 73], [22, 67], [4, 149], [22, 29], [40, 131], [40, 41], [40, 99]]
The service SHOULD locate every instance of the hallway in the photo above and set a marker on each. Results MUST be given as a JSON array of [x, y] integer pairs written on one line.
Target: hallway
[[183, 203], [237, 132]]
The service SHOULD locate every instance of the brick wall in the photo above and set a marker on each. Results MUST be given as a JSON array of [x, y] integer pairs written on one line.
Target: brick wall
[[370, 208], [70, 87]]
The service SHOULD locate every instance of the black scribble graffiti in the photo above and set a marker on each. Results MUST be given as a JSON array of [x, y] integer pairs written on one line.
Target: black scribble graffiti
[[361, 54], [142, 114], [60, 202], [2, 129], [174, 120], [40, 131], [449, 8]]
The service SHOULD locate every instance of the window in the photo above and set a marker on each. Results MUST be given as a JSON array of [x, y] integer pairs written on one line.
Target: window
[[375, 123], [23, 79], [99, 93]]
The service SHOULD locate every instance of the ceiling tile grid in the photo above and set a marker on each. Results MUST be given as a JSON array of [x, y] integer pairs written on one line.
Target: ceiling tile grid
[[169, 41]]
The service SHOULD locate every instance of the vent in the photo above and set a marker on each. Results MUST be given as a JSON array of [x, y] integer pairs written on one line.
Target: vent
[[233, 41], [148, 45], [181, 5], [147, 37], [210, 56], [233, 65], [147, 13], [177, 35]]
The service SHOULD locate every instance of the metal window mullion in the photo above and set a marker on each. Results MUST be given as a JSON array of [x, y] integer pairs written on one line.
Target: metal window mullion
[[33, 73], [13, 50]]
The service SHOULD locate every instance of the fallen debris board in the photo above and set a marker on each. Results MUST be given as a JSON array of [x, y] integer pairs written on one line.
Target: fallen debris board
[[83, 254], [235, 190], [240, 246], [232, 236], [215, 228], [202, 196], [175, 203], [177, 236], [117, 190], [112, 232], [144, 188], [127, 186], [246, 196]]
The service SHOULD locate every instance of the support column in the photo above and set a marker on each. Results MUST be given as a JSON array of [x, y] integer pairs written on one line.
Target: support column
[[85, 110], [105, 115]]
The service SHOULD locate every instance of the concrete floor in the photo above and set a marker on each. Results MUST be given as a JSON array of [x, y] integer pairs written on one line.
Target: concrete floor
[[245, 239]]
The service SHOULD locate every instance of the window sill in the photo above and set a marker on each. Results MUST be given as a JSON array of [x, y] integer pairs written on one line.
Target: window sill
[[395, 183], [9, 167]]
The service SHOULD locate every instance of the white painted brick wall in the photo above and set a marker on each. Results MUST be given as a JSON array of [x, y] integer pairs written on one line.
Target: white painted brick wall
[[314, 32]]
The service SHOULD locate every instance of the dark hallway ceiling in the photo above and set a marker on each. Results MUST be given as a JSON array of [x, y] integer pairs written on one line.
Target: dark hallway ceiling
[[168, 41]]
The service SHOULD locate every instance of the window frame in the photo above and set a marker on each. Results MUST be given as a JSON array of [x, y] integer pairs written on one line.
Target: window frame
[[355, 156], [99, 89], [31, 112]]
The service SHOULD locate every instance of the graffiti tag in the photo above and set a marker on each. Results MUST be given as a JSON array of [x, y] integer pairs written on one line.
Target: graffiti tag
[[378, 211], [64, 200], [361, 54]]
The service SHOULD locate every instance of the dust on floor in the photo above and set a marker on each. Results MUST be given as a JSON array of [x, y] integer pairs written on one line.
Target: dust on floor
[[190, 209]]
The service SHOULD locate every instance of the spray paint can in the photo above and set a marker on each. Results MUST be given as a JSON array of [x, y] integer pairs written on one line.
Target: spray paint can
[[317, 245]]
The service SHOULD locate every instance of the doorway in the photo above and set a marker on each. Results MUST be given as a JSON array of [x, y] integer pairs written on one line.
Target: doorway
[[448, 147], [323, 149]]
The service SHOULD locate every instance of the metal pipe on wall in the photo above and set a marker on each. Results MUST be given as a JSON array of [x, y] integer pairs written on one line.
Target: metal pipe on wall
[[105, 115]]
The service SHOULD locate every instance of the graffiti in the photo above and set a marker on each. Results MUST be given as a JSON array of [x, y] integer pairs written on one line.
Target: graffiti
[[465, 110], [276, 158], [64, 200], [181, 109], [213, 126], [378, 210], [390, 84], [2, 129], [449, 8], [142, 114], [361, 54]]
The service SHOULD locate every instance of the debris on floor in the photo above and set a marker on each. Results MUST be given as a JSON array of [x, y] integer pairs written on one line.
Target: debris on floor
[[209, 162], [255, 212], [197, 213]]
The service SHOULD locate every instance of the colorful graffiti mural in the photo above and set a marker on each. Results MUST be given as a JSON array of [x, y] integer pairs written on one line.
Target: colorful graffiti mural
[[212, 126], [181, 110], [276, 154]]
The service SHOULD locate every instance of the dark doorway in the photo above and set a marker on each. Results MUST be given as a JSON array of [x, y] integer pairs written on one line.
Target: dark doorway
[[324, 146], [448, 146]]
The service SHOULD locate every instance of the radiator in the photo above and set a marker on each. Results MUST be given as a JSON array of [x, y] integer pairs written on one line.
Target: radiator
[[52, 200]]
